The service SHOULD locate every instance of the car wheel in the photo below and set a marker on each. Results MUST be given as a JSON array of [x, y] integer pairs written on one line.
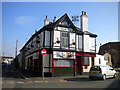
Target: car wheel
[[115, 75], [104, 77]]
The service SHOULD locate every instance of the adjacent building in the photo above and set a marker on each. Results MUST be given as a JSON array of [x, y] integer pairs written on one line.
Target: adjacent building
[[110, 51], [100, 60], [6, 59], [70, 50]]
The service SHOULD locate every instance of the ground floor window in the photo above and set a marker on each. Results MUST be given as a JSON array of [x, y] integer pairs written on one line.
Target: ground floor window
[[86, 61], [63, 63]]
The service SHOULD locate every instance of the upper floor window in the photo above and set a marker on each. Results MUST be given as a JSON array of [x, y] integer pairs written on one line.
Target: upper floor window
[[64, 39]]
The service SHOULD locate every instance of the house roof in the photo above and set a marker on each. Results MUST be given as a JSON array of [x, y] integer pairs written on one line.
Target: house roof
[[107, 46], [54, 24], [7, 57], [90, 34]]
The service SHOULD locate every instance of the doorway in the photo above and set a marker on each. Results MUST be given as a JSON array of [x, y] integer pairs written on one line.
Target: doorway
[[79, 65]]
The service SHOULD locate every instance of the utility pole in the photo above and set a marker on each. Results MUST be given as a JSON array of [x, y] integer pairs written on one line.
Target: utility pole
[[16, 48], [3, 54]]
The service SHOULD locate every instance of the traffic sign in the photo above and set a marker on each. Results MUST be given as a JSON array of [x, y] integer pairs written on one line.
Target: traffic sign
[[43, 52]]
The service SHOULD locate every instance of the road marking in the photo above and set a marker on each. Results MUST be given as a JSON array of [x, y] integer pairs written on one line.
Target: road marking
[[63, 81], [38, 81], [46, 81], [20, 82], [10, 82], [100, 81], [1, 82], [28, 82]]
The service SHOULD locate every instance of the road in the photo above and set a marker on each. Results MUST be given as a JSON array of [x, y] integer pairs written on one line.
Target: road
[[12, 79]]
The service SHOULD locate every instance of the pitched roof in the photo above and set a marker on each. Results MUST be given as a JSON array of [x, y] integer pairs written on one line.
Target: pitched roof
[[107, 46], [54, 24], [90, 34]]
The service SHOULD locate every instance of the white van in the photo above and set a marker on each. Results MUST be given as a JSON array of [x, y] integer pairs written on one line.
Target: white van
[[102, 72]]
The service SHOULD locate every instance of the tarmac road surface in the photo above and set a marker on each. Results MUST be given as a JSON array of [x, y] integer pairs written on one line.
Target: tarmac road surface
[[12, 79]]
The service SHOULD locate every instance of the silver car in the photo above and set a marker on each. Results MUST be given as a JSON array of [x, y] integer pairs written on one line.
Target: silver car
[[102, 72]]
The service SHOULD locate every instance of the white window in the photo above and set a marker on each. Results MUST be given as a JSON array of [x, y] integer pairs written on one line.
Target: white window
[[64, 39], [86, 61], [57, 38], [72, 40], [64, 63]]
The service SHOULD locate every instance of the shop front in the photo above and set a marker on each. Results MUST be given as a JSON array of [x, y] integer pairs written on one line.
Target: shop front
[[63, 63]]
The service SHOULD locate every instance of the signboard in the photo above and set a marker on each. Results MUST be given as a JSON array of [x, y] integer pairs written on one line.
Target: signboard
[[43, 52], [60, 54]]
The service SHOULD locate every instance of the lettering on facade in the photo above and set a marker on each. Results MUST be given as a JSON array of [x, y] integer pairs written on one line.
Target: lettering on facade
[[59, 54]]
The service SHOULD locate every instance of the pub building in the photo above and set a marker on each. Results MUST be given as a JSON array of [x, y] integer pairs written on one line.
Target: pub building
[[70, 50]]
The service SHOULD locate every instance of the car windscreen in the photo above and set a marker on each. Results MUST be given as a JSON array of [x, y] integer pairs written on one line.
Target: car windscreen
[[95, 68]]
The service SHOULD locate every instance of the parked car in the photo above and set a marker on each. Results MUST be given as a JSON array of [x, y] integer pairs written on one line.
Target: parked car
[[102, 72]]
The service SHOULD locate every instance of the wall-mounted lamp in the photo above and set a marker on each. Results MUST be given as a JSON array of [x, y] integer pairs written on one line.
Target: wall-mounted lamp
[[37, 40], [25, 50], [28, 48], [58, 41], [32, 45], [73, 43]]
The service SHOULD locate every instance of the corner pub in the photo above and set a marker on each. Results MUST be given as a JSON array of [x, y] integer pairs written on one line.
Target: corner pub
[[70, 50]]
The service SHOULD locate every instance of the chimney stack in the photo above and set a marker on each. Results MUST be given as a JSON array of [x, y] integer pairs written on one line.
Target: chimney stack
[[55, 19], [46, 21], [84, 21]]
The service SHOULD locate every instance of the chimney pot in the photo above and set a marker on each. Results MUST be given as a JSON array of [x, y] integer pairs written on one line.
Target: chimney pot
[[82, 12], [55, 19], [46, 21], [46, 17]]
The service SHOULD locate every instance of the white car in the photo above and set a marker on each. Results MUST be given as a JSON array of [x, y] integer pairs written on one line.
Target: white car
[[102, 72]]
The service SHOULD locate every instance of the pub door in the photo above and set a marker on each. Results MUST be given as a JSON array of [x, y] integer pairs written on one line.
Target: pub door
[[79, 65]]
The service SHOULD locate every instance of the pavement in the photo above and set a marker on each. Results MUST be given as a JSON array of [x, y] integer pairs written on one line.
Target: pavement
[[36, 78], [30, 77], [14, 78]]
